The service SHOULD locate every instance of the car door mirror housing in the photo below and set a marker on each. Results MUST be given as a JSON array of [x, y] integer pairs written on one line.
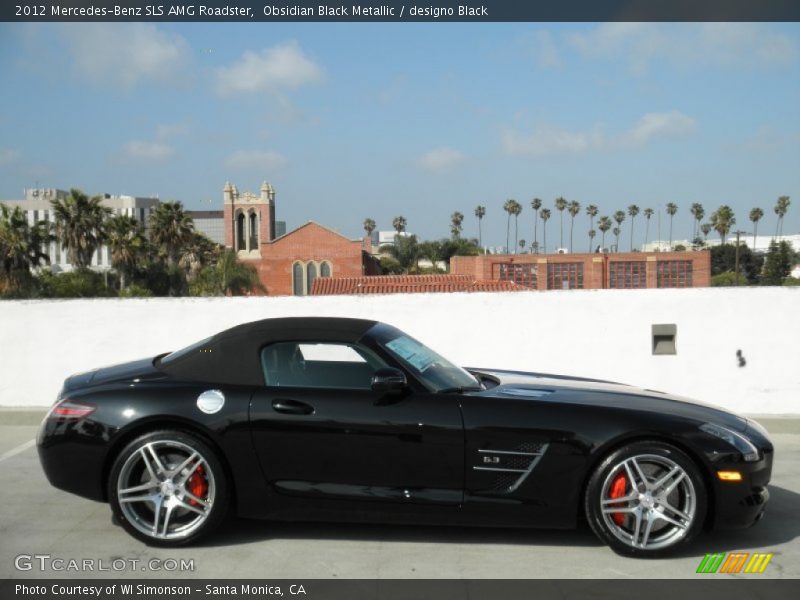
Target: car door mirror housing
[[388, 379]]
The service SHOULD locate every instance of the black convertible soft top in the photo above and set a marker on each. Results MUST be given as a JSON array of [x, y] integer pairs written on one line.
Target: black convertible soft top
[[232, 356]]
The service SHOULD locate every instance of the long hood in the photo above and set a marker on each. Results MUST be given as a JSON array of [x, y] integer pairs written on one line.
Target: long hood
[[576, 390]]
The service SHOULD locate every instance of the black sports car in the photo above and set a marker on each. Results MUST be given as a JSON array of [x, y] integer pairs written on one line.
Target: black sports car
[[353, 420]]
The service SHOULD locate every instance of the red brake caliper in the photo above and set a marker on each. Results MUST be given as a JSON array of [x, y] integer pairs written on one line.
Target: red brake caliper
[[198, 485], [618, 487]]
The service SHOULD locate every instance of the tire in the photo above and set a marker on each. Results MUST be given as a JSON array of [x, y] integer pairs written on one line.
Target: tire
[[664, 512], [168, 488]]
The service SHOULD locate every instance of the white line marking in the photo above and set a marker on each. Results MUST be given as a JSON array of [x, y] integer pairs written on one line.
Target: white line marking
[[17, 450]]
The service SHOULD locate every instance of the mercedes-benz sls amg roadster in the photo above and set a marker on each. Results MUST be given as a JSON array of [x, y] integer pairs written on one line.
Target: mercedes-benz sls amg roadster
[[353, 420]]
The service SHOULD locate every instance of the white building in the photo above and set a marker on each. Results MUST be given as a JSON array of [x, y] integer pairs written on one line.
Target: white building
[[36, 204], [386, 238], [761, 243]]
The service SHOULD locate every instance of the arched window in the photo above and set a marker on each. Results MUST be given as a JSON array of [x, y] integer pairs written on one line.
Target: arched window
[[253, 231], [325, 269], [311, 275], [297, 279], [240, 235]]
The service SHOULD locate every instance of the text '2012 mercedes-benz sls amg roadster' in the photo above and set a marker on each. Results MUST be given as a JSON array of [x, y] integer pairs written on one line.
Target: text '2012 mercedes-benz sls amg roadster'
[[353, 420]]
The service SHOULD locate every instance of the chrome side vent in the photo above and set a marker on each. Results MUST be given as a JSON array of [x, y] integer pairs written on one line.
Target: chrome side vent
[[511, 466]]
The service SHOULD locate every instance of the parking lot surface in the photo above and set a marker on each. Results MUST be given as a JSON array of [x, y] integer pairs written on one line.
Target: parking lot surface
[[38, 520]]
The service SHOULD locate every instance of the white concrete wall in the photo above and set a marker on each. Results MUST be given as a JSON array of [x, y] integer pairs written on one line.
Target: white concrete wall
[[603, 333]]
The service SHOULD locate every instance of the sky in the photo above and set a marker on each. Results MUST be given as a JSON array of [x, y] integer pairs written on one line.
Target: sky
[[350, 121]]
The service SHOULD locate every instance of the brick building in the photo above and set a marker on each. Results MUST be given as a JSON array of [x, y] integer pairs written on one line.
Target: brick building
[[590, 271], [409, 284], [289, 264]]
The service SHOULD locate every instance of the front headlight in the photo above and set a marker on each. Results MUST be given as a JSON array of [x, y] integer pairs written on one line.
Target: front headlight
[[737, 440]]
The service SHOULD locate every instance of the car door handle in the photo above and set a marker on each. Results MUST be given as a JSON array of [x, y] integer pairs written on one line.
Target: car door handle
[[292, 407]]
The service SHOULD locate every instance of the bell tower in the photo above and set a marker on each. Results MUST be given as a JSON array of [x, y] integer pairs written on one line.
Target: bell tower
[[249, 219]]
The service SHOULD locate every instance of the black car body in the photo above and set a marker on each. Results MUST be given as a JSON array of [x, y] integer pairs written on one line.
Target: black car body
[[514, 449]]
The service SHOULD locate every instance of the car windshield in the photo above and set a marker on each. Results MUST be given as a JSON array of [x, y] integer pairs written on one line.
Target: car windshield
[[435, 371]]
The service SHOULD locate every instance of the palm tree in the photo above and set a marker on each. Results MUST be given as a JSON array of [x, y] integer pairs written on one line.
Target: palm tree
[[456, 219], [591, 210], [480, 212], [522, 245], [227, 277], [706, 229], [433, 250], [755, 216], [672, 208], [722, 220], [197, 251], [399, 224], [592, 233], [79, 226], [544, 215], [603, 224], [561, 204], [508, 206], [648, 212], [405, 251], [369, 226], [22, 246], [516, 209], [574, 207], [536, 204], [170, 229], [124, 238], [633, 210], [698, 212], [616, 231], [619, 217], [780, 209]]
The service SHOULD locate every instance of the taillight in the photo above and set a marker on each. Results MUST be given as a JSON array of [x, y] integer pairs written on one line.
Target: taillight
[[69, 409]]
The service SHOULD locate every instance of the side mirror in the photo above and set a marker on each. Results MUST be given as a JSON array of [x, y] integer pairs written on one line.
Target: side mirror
[[388, 379]]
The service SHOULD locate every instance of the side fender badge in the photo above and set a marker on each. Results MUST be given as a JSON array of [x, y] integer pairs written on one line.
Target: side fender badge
[[211, 401]]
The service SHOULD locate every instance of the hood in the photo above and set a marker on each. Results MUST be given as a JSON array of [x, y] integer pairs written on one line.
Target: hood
[[596, 392], [137, 369]]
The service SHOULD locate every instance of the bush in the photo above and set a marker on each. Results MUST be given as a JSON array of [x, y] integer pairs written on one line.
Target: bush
[[791, 281], [135, 291], [81, 283], [728, 278]]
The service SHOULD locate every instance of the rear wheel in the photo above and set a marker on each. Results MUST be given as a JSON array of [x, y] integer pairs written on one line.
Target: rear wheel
[[168, 488], [646, 499]]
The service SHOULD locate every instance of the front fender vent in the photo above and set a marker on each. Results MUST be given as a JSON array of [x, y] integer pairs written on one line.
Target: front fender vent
[[512, 467]]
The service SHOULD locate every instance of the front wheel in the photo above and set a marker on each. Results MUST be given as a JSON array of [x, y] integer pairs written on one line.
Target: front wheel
[[646, 499], [168, 488]]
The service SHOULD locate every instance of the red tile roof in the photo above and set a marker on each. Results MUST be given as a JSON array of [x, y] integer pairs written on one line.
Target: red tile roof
[[408, 284]]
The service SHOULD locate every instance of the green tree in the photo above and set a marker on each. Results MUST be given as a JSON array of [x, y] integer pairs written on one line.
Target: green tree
[[592, 211], [573, 208], [480, 212], [633, 210], [723, 260], [515, 209], [604, 224], [433, 250], [22, 248], [619, 217], [706, 229], [561, 203], [698, 212], [722, 220], [170, 229], [544, 215], [778, 263], [227, 276], [399, 224], [672, 208], [369, 226], [127, 243], [755, 216], [405, 251], [456, 219], [648, 213], [522, 245], [536, 204], [592, 233], [79, 226], [781, 207], [616, 231]]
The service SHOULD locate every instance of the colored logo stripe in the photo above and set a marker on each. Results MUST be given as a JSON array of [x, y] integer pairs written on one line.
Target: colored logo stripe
[[734, 562], [710, 563], [758, 563]]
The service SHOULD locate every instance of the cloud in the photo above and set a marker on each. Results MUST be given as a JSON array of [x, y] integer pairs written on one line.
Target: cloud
[[549, 140], [142, 150], [545, 50], [440, 159], [167, 131], [126, 54], [8, 156], [750, 45], [255, 160], [281, 67]]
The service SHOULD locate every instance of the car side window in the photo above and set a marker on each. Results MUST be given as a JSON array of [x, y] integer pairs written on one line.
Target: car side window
[[319, 365]]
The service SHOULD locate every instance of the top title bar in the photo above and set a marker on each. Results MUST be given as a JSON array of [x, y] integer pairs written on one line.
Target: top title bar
[[403, 10]]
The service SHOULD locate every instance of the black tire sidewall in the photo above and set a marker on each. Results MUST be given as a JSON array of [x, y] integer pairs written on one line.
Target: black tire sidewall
[[595, 484], [221, 497]]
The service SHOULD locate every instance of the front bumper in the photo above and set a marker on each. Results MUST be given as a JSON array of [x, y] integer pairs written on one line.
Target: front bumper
[[743, 503]]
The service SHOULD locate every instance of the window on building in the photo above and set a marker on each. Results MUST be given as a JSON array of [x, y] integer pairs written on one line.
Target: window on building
[[674, 273], [311, 275], [240, 232], [627, 274], [521, 274], [325, 269], [565, 276], [298, 279], [253, 231]]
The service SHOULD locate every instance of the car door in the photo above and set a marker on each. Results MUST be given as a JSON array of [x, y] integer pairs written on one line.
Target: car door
[[321, 432]]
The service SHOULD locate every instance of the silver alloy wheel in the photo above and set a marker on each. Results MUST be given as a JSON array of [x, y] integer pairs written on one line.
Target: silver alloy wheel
[[658, 505], [153, 490]]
